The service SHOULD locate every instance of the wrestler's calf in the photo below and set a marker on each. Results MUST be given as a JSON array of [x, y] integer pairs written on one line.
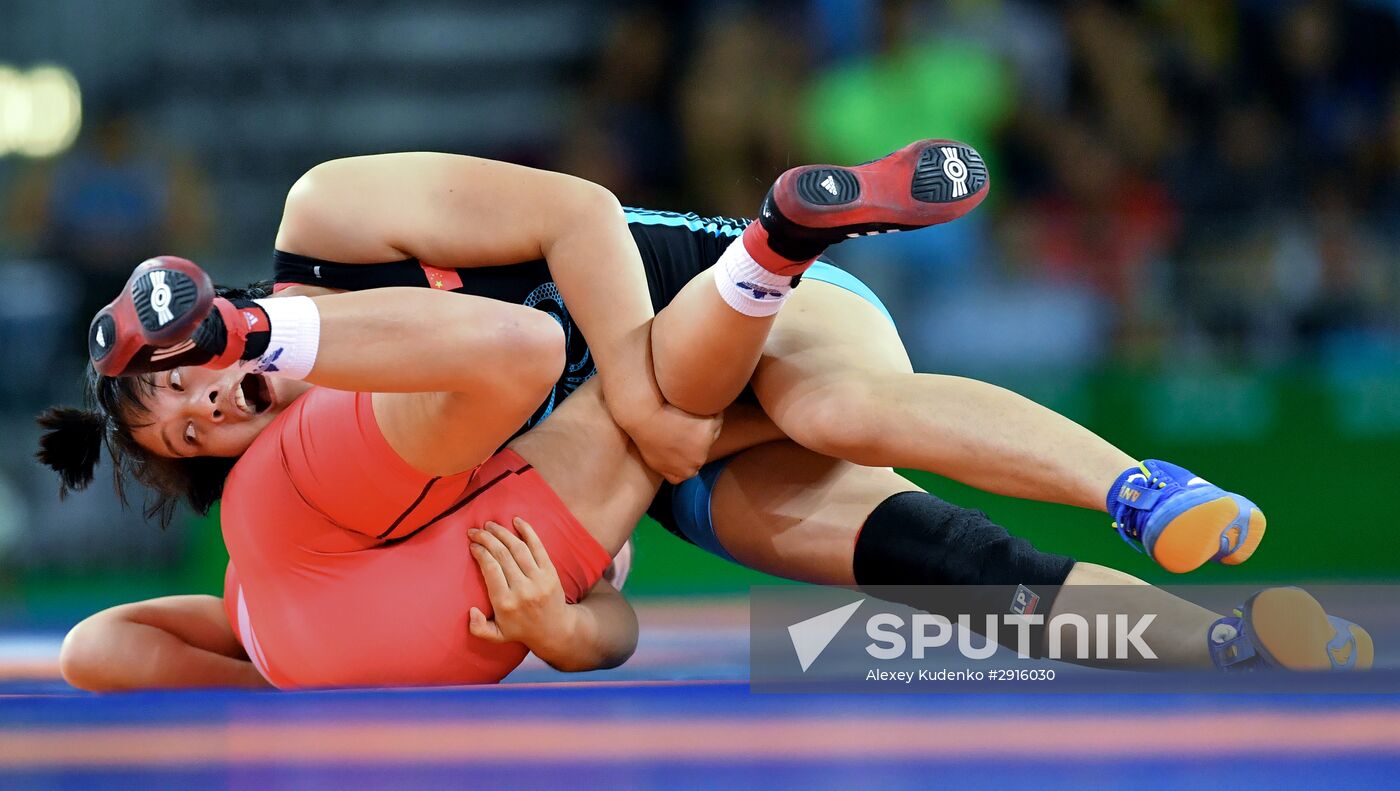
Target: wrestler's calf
[[915, 540]]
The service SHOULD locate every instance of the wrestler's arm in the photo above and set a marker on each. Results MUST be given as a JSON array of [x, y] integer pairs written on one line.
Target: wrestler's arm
[[451, 211], [168, 643], [603, 633], [446, 399], [528, 605]]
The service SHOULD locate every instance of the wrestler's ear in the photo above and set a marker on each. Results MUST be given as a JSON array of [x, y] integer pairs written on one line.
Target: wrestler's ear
[[71, 445]]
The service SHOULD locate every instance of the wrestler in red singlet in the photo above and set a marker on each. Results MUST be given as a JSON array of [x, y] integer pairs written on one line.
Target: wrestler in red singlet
[[330, 532]]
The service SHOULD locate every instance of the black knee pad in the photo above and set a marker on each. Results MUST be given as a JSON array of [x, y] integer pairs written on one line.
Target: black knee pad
[[916, 539]]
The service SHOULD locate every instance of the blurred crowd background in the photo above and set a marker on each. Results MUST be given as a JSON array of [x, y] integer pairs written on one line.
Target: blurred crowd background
[[1191, 239]]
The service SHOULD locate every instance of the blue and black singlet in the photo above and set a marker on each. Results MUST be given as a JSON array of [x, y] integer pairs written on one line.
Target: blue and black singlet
[[674, 248]]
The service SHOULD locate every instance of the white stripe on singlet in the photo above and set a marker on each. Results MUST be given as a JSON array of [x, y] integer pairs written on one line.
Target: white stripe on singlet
[[249, 638]]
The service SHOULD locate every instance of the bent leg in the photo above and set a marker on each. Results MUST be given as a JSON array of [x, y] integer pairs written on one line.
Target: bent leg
[[166, 643], [704, 360], [704, 351]]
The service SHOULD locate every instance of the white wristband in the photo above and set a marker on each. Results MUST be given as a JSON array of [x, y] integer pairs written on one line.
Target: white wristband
[[295, 339]]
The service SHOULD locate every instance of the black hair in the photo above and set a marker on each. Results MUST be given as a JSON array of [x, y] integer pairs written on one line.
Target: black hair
[[73, 438]]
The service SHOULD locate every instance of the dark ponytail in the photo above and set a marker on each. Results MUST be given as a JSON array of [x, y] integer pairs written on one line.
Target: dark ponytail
[[71, 445]]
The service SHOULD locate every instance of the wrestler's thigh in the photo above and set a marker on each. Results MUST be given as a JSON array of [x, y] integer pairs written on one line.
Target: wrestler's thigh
[[787, 511], [591, 465], [824, 334]]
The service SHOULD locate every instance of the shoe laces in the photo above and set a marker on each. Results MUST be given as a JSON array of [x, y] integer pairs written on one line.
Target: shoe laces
[[1128, 528]]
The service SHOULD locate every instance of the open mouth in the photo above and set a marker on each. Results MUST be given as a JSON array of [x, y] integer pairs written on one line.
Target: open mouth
[[253, 394]]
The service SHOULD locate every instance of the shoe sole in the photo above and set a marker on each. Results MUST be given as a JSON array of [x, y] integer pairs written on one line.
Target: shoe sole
[[1291, 627], [153, 310], [1193, 538], [1255, 533], [925, 183], [1365, 647]]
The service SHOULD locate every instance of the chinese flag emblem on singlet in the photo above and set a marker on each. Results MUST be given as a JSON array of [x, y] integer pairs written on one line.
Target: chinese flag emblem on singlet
[[445, 279]]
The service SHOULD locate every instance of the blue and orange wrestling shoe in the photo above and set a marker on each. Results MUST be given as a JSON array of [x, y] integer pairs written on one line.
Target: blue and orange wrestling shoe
[[1181, 520], [1286, 628]]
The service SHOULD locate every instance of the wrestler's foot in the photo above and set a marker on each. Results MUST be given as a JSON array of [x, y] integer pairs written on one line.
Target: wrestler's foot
[[925, 183], [1182, 520], [1287, 628], [150, 325]]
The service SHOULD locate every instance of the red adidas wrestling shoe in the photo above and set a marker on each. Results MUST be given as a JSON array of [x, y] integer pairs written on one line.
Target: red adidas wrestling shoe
[[812, 207], [151, 324], [922, 184]]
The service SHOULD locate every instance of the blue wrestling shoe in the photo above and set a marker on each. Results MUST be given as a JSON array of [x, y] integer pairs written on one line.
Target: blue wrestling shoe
[[1286, 628], [1182, 520]]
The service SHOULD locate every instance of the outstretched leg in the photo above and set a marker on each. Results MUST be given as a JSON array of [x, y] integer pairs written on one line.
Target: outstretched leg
[[786, 511], [789, 512], [834, 376]]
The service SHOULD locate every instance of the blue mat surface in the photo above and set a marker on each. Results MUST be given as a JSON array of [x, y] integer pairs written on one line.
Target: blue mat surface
[[681, 715]]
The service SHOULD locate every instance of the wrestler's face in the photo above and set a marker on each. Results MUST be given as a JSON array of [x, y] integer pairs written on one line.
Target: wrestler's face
[[199, 412]]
